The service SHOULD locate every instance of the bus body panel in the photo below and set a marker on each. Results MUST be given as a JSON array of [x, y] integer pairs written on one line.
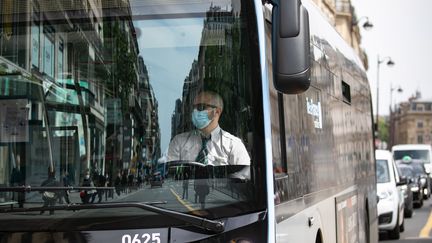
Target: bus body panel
[[328, 131]]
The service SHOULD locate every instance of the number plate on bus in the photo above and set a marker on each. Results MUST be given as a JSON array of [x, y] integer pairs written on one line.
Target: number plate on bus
[[159, 235]]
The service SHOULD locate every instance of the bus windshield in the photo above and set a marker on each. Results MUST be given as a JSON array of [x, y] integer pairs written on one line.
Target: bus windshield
[[129, 101]]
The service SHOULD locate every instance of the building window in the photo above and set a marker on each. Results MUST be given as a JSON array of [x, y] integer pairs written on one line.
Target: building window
[[35, 45], [60, 61], [48, 54], [35, 38], [428, 107], [12, 32], [419, 138], [420, 124], [413, 106]]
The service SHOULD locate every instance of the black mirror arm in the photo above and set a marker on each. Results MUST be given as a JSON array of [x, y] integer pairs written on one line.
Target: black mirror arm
[[289, 19]]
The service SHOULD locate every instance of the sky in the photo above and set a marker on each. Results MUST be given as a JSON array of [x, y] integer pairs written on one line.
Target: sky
[[179, 40], [403, 31]]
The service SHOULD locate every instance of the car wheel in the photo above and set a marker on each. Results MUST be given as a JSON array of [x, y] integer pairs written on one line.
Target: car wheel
[[408, 213], [395, 233], [367, 225], [402, 227]]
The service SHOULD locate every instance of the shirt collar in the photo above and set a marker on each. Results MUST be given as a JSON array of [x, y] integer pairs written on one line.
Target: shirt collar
[[214, 134]]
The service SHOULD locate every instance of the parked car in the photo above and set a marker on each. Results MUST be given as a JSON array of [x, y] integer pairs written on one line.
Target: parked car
[[156, 179], [420, 173], [391, 200], [412, 191]]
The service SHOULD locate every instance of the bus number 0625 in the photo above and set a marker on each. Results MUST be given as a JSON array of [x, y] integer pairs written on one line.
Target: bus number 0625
[[145, 238]]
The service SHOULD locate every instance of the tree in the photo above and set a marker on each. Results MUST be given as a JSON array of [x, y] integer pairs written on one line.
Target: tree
[[383, 130]]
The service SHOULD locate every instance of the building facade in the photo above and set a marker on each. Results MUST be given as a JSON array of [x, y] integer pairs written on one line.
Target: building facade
[[411, 122], [71, 80], [341, 14]]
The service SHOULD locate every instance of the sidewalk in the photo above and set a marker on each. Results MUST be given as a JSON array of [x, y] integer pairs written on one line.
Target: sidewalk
[[74, 196]]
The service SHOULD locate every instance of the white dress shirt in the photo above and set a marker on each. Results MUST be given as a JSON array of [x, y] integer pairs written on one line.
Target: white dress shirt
[[223, 148]]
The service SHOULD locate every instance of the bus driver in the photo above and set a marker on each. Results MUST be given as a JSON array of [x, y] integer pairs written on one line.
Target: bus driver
[[209, 144]]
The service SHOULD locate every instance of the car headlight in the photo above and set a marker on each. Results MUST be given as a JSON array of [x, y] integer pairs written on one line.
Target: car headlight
[[415, 188], [385, 195]]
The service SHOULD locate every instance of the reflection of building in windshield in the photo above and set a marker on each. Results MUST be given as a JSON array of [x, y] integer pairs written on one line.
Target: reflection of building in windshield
[[82, 95], [150, 138], [136, 130], [220, 67]]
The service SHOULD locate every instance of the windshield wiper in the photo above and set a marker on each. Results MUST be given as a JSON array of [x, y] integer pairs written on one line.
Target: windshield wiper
[[201, 222]]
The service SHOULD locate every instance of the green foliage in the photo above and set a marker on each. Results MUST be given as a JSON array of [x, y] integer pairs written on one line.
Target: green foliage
[[383, 130], [124, 58]]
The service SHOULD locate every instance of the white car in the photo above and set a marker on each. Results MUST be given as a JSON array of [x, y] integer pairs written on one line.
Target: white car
[[391, 199]]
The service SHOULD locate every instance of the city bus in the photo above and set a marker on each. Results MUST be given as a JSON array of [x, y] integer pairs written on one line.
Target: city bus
[[93, 93]]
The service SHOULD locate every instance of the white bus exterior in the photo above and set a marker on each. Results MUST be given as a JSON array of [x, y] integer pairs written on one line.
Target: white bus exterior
[[93, 93]]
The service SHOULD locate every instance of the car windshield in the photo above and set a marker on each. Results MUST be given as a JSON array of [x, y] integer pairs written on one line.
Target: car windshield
[[382, 171], [406, 171], [114, 99], [418, 168], [413, 154]]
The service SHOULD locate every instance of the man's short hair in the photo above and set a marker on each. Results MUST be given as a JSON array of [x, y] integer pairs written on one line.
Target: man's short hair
[[217, 99]]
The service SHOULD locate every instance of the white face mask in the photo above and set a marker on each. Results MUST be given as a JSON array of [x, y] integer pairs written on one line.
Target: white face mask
[[87, 177]]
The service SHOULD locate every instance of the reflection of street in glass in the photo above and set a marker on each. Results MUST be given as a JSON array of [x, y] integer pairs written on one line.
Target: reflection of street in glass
[[100, 110], [14, 122], [185, 194], [50, 197]]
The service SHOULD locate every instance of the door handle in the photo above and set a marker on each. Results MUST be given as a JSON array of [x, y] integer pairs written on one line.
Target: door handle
[[311, 221]]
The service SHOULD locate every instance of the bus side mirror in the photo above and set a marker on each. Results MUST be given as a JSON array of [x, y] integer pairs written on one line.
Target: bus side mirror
[[290, 47]]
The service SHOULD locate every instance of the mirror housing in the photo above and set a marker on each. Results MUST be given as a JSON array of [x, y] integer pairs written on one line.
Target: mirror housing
[[290, 47], [402, 181], [427, 168]]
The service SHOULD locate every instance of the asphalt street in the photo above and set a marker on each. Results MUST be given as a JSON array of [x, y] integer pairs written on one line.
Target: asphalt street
[[414, 226]]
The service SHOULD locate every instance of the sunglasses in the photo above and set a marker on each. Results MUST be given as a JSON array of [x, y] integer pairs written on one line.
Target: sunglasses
[[202, 107]]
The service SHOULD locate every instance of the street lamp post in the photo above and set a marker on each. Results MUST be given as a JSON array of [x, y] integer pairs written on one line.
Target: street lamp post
[[392, 115], [399, 90], [367, 25], [389, 63]]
